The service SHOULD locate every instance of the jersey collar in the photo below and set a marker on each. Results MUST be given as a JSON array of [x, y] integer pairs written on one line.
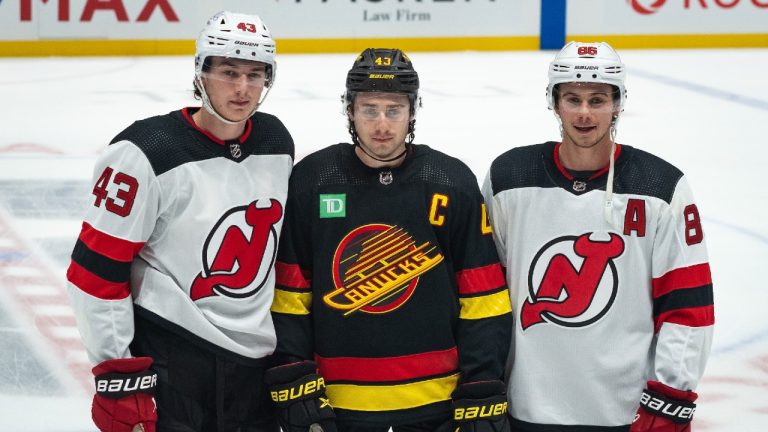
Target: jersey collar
[[188, 111], [568, 176]]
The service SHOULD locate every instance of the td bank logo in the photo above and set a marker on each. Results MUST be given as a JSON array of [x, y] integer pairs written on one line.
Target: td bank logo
[[333, 206]]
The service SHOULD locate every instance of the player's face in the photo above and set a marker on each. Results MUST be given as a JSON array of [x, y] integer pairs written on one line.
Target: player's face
[[586, 111], [381, 121], [234, 86]]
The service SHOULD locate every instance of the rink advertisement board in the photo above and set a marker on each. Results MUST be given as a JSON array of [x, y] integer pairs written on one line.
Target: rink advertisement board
[[125, 27], [42, 27], [670, 23]]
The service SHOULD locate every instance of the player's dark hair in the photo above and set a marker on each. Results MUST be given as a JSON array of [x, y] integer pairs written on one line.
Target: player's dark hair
[[206, 68]]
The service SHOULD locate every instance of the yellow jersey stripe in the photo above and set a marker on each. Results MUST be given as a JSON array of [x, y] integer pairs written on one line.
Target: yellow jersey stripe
[[391, 397]]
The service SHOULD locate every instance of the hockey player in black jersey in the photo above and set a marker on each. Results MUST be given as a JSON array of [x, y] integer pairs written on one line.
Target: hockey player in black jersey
[[172, 277], [390, 303], [607, 265]]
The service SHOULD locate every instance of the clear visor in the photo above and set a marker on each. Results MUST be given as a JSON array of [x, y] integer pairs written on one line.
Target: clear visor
[[236, 71], [392, 113], [586, 97]]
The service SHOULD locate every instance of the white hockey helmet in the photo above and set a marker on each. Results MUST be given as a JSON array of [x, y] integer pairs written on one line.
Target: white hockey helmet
[[235, 35], [593, 62]]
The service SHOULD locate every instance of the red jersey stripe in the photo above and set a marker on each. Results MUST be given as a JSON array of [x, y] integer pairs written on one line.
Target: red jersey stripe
[[290, 276], [686, 277], [111, 247], [480, 279], [96, 286], [691, 317], [387, 369]]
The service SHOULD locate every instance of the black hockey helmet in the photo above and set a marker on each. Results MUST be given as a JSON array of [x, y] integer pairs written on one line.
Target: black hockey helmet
[[383, 70]]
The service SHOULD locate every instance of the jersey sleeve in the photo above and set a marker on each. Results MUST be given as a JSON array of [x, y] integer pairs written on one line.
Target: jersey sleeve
[[495, 213], [292, 305], [682, 294], [485, 312], [117, 224]]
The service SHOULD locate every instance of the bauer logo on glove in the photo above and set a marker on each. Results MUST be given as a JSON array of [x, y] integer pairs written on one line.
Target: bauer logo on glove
[[303, 389], [479, 411], [120, 385], [677, 411]]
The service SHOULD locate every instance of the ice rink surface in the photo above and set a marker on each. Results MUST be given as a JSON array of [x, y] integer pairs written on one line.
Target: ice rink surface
[[705, 111]]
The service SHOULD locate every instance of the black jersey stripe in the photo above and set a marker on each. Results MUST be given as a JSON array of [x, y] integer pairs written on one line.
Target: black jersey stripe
[[103, 267]]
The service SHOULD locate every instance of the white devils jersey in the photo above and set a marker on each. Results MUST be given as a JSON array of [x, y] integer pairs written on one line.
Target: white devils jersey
[[599, 308], [182, 230]]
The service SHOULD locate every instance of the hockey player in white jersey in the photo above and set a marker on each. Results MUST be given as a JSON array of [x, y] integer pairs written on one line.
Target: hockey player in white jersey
[[172, 275], [606, 263]]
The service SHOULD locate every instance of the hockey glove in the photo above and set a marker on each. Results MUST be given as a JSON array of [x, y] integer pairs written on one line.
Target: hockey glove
[[664, 409], [123, 399], [299, 393], [480, 407]]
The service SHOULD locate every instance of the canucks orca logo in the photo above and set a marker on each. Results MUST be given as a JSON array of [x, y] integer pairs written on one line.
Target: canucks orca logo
[[376, 269]]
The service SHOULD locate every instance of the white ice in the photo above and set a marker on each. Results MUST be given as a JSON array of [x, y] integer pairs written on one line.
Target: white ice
[[703, 110]]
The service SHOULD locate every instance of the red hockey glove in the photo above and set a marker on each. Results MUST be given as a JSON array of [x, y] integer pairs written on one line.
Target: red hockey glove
[[123, 398], [299, 393], [480, 407], [664, 409]]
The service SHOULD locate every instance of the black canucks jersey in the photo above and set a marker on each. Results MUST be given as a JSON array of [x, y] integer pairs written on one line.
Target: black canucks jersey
[[183, 230], [388, 278]]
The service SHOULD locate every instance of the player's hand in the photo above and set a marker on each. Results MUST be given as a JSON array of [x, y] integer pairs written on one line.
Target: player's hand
[[123, 401], [664, 409], [480, 407], [299, 393]]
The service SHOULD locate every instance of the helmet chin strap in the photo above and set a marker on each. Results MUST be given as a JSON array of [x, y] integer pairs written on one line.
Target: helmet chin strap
[[608, 203], [357, 143]]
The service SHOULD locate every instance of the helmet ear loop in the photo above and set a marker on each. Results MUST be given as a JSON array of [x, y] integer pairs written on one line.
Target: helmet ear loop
[[268, 84], [614, 123], [411, 131], [559, 120], [351, 124], [416, 105]]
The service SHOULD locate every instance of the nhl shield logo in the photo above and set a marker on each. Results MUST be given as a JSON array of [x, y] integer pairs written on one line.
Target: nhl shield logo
[[385, 177], [234, 149]]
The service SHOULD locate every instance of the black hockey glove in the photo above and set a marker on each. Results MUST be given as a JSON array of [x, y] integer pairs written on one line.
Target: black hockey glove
[[299, 393], [480, 406]]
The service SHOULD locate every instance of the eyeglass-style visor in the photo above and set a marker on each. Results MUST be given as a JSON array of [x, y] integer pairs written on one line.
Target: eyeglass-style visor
[[235, 71]]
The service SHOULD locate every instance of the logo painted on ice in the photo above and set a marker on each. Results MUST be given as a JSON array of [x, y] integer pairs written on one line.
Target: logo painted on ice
[[239, 252], [562, 293]]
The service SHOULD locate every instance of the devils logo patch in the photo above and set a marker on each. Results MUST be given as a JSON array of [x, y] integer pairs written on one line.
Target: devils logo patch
[[376, 269], [572, 281], [239, 252]]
